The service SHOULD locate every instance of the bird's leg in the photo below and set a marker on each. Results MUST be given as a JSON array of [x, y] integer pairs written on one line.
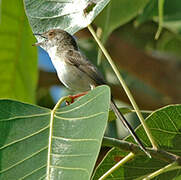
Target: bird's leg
[[73, 97]]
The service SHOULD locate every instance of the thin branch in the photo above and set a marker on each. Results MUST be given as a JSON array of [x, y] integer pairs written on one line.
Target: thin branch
[[116, 166], [135, 106], [160, 17], [169, 167], [130, 147]]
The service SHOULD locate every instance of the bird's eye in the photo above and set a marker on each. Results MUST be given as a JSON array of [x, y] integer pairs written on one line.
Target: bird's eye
[[50, 34]]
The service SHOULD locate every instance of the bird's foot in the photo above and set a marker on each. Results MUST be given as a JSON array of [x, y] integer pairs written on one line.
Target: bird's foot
[[73, 97]]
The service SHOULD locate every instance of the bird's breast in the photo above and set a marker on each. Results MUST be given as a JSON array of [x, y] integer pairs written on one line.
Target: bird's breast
[[69, 74]]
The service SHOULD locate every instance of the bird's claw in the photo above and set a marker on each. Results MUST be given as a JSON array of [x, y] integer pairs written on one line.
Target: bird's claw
[[72, 98], [69, 100]]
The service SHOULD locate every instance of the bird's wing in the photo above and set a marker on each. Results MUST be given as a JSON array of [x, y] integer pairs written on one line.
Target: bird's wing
[[75, 58]]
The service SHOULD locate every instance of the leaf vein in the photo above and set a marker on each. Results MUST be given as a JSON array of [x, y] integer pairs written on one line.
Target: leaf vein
[[171, 121], [68, 139], [70, 168], [26, 137], [32, 172], [80, 118], [162, 130], [70, 155], [23, 160], [28, 116]]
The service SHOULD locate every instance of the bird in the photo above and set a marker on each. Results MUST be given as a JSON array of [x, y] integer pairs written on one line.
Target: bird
[[75, 71]]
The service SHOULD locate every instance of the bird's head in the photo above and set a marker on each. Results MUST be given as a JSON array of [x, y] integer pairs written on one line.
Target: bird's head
[[55, 37]]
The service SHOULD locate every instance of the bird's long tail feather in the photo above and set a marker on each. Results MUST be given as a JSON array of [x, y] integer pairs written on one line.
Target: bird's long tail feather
[[120, 116]]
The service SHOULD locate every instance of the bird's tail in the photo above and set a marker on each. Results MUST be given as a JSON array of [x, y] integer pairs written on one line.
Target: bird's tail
[[120, 116]]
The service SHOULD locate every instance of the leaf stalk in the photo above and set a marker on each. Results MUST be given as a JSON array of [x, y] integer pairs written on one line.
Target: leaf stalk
[[116, 166], [125, 87], [60, 101], [169, 167]]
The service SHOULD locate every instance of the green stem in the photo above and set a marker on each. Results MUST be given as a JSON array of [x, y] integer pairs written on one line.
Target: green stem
[[130, 147], [61, 100], [126, 89], [99, 54], [143, 111], [169, 167], [120, 163], [160, 18]]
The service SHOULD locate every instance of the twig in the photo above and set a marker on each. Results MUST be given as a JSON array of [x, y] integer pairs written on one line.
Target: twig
[[160, 18], [130, 147], [169, 167], [126, 89], [120, 163]]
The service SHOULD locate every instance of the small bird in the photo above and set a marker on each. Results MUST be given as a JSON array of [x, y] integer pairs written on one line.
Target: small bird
[[75, 71]]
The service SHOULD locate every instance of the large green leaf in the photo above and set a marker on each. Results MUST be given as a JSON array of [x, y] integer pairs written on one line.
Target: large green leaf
[[18, 59], [165, 125], [118, 13], [68, 15], [74, 143]]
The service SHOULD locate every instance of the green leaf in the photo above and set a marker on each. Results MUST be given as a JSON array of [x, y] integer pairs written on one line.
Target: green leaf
[[118, 13], [18, 58], [77, 132], [165, 125], [68, 15]]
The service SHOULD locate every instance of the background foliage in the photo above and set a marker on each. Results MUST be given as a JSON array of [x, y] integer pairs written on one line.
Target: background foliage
[[18, 59]]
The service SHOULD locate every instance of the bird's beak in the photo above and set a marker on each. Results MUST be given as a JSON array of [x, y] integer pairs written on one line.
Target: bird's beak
[[41, 35], [39, 43]]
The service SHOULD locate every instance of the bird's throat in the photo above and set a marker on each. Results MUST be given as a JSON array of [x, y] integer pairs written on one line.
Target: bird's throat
[[52, 51]]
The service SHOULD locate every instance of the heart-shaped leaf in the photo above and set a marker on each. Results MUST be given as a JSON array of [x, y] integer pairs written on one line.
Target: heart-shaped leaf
[[71, 143], [165, 125]]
